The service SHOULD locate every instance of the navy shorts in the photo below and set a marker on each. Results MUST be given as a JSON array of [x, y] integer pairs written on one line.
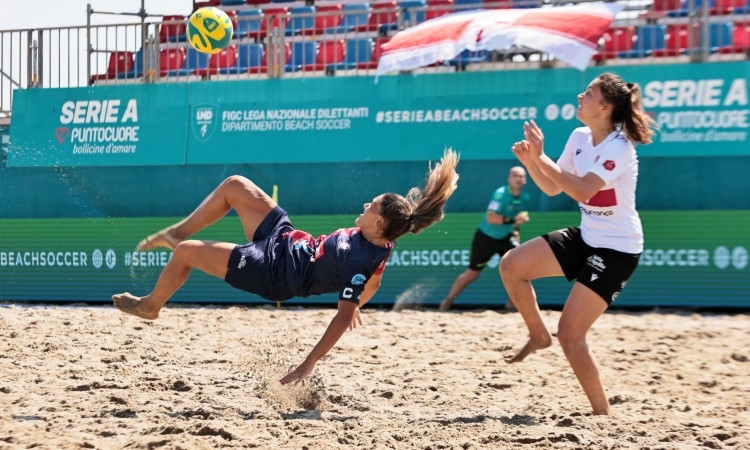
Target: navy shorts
[[259, 267], [603, 270], [484, 247]]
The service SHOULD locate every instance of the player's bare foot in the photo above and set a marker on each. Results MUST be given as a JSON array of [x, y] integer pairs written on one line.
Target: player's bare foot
[[130, 304], [445, 305], [531, 346], [164, 238]]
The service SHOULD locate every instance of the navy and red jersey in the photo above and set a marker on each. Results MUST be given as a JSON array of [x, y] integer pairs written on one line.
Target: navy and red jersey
[[283, 262]]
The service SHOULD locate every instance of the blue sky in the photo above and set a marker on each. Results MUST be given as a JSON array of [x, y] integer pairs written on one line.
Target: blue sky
[[25, 14]]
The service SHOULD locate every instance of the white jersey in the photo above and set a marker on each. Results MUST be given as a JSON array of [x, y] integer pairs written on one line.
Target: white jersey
[[609, 218]]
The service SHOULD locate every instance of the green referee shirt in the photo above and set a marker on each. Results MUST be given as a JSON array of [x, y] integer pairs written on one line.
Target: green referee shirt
[[506, 204]]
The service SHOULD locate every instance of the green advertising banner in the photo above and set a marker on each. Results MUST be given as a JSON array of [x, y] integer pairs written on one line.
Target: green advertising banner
[[139, 124], [685, 262], [701, 109]]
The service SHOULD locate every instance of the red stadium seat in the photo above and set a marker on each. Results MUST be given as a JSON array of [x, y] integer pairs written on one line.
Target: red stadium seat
[[171, 59], [172, 29], [437, 8], [384, 17], [224, 59], [740, 39], [119, 63], [616, 39], [273, 18], [680, 39], [326, 16], [329, 52], [660, 8]]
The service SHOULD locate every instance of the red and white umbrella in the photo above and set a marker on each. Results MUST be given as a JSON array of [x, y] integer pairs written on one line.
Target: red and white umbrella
[[569, 33]]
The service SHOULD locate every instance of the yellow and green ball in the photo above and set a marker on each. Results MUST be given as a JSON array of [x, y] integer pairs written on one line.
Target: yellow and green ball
[[209, 30]]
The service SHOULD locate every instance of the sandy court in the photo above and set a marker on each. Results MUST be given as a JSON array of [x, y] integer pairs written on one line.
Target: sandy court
[[91, 377]]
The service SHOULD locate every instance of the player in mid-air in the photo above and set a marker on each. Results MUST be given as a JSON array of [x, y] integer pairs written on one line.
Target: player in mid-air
[[280, 262], [598, 168]]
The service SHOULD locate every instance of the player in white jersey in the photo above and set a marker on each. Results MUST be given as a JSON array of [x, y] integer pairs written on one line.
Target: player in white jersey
[[599, 169]]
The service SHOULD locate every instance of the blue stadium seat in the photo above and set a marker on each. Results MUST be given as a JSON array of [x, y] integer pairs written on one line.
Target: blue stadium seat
[[719, 35], [250, 59], [358, 50], [136, 70], [301, 20], [684, 10], [354, 15], [465, 5], [304, 53], [412, 12], [647, 39], [383, 17], [194, 61], [249, 23], [232, 2]]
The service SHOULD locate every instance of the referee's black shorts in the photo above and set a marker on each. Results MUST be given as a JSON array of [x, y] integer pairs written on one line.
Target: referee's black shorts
[[484, 247]]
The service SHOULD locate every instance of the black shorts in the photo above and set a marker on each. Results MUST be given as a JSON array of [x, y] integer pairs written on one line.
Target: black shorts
[[259, 267], [484, 247], [604, 271]]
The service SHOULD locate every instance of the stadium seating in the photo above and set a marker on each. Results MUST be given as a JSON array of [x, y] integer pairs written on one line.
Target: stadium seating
[[377, 49], [437, 8], [225, 59], [354, 16], [304, 54], [250, 59], [732, 7], [740, 39], [660, 9], [120, 62], [248, 23], [171, 58], [719, 36], [136, 71], [172, 29], [680, 39], [383, 18], [685, 10], [329, 52], [194, 61], [412, 12], [615, 40], [358, 51], [648, 38], [301, 20], [231, 2], [326, 16], [275, 17], [465, 5]]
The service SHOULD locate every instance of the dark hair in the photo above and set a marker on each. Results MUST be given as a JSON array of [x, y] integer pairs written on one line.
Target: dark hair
[[420, 208], [625, 99]]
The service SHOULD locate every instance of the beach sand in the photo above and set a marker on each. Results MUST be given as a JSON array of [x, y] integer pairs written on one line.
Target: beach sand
[[75, 377]]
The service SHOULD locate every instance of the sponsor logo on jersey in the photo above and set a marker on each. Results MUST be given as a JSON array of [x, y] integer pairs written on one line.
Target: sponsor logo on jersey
[[578, 151], [609, 165], [358, 279], [603, 199]]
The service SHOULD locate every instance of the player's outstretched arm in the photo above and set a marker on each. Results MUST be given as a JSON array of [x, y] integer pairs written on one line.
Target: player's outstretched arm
[[341, 321]]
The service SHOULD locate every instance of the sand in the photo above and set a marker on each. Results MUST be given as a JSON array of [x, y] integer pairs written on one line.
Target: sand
[[74, 377]]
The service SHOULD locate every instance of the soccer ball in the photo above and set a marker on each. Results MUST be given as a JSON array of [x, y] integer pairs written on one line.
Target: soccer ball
[[209, 30]]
